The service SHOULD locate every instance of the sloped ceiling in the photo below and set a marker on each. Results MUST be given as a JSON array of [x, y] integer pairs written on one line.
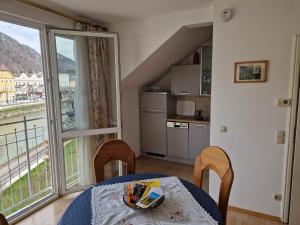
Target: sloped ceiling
[[182, 43]]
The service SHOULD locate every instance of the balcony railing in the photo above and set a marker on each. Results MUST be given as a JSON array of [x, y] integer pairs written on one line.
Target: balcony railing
[[25, 168]]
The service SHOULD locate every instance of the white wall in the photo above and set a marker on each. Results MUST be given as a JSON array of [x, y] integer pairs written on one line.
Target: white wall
[[167, 55], [11, 7], [130, 118], [138, 40], [258, 30]]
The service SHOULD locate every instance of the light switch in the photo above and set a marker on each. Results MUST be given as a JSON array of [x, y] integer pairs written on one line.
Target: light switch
[[280, 136], [223, 129], [284, 102]]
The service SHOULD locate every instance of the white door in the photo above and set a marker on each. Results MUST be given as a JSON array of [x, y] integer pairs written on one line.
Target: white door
[[294, 215], [87, 100], [294, 218]]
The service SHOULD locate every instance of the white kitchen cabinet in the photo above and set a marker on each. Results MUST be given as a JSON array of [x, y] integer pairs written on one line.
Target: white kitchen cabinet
[[193, 80], [177, 142], [199, 135], [206, 65], [185, 80]]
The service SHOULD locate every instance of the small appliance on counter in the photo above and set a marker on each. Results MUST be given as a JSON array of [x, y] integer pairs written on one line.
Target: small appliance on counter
[[185, 108], [198, 115]]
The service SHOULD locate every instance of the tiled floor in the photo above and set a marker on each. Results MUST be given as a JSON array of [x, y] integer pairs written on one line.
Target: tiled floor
[[50, 214]]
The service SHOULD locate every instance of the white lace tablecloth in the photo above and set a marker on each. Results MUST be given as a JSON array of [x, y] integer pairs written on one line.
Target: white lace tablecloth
[[179, 207]]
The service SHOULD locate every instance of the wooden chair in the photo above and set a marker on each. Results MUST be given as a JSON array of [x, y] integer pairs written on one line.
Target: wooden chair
[[3, 221], [110, 151], [216, 159]]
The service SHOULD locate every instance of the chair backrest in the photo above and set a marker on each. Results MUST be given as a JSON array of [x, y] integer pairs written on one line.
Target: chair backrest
[[110, 151], [3, 221], [216, 159]]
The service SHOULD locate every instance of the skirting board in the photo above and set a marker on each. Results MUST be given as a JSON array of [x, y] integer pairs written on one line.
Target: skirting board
[[254, 213]]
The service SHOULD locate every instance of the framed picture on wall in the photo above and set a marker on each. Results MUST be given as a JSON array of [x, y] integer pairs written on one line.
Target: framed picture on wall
[[252, 71]]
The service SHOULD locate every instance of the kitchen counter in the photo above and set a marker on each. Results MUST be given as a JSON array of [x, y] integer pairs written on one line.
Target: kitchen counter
[[186, 119]]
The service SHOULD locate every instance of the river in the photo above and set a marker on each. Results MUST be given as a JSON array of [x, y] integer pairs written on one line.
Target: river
[[12, 136]]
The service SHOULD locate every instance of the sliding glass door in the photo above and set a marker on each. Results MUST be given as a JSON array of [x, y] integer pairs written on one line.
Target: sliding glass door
[[87, 101]]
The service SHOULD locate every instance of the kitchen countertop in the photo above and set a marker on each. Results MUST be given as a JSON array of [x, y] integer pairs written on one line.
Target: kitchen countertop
[[187, 119]]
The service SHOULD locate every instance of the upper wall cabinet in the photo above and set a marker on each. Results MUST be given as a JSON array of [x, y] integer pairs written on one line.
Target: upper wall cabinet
[[193, 80], [185, 80], [206, 62]]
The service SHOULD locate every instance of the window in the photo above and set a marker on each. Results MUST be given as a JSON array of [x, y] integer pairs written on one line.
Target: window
[[82, 126], [24, 140], [89, 105]]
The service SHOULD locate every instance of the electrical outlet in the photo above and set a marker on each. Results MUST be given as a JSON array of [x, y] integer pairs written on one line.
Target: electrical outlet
[[223, 129], [276, 196], [284, 102], [280, 136]]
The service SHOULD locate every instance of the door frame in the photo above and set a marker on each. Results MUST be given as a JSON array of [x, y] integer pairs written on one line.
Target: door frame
[[14, 19], [293, 111], [56, 98]]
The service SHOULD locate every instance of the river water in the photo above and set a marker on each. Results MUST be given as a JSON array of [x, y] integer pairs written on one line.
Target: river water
[[12, 136]]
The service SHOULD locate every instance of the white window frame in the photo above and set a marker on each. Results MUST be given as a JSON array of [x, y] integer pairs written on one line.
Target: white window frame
[[9, 18], [80, 133]]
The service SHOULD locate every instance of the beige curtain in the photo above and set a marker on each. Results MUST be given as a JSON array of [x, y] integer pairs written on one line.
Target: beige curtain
[[100, 81], [100, 112], [82, 102], [99, 78]]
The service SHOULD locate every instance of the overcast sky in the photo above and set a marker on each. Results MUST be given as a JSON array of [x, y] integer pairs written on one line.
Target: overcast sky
[[23, 35], [65, 47], [31, 37]]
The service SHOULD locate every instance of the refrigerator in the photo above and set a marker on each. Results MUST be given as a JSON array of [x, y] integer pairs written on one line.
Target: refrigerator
[[154, 109]]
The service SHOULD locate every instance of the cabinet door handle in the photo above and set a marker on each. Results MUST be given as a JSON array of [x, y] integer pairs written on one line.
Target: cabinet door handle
[[200, 125], [153, 110], [185, 92], [152, 114]]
